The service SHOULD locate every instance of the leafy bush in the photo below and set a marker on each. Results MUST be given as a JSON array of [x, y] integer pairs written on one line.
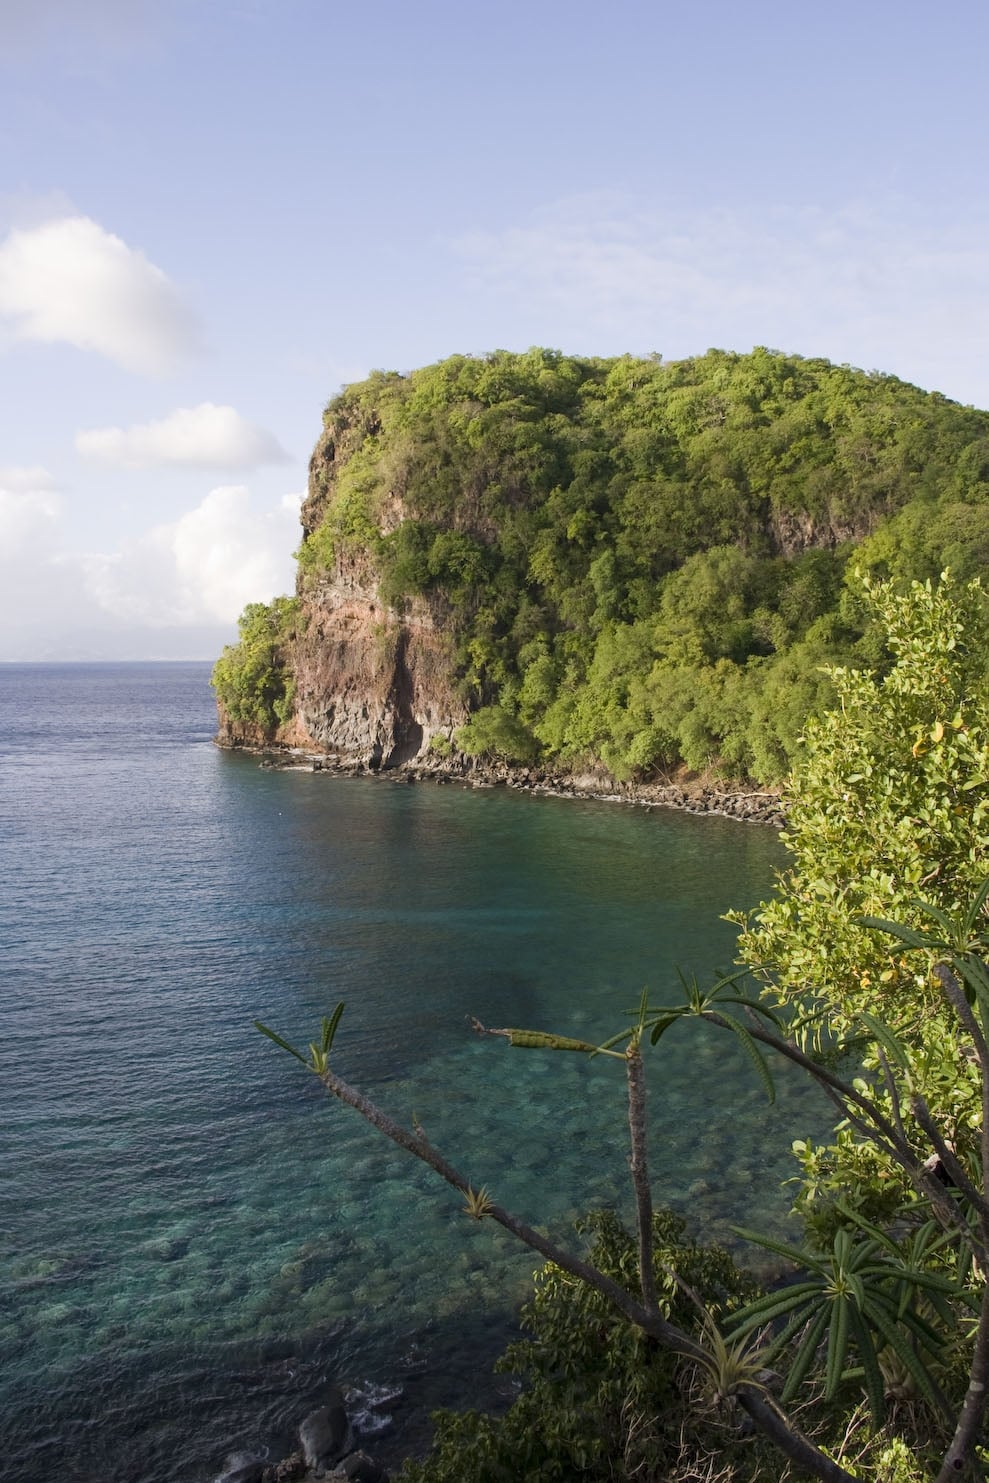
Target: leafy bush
[[495, 732], [601, 1401], [251, 679]]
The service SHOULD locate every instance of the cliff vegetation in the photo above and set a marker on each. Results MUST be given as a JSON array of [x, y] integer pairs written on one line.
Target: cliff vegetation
[[553, 559]]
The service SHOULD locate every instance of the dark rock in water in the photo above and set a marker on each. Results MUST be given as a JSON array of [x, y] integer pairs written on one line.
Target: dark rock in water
[[326, 1434], [287, 1471], [359, 1468], [242, 1467]]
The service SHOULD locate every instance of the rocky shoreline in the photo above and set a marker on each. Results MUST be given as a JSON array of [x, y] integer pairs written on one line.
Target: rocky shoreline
[[328, 1445], [688, 793]]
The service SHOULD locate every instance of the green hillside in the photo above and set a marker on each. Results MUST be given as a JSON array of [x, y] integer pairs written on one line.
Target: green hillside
[[639, 562]]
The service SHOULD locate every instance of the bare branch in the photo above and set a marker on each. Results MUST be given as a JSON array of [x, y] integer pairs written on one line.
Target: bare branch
[[764, 1413], [952, 1165], [640, 1172], [960, 1456]]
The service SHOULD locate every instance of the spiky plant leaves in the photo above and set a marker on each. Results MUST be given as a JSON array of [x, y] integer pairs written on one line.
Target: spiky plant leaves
[[329, 1028], [284, 1044], [837, 1344], [893, 929], [864, 1292], [906, 1354], [754, 1054], [871, 1373], [545, 1040], [805, 1355], [890, 1043], [663, 1023], [479, 1203]]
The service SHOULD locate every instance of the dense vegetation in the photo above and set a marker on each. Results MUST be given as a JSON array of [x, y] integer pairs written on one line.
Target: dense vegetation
[[251, 677], [640, 562], [649, 1358]]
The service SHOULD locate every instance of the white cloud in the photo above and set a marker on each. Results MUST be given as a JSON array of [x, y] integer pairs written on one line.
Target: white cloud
[[206, 436], [29, 511], [70, 281], [202, 568], [878, 285], [31, 478], [173, 592]]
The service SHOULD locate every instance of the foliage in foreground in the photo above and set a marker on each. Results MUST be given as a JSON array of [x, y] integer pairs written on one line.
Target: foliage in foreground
[[601, 1400], [880, 1332]]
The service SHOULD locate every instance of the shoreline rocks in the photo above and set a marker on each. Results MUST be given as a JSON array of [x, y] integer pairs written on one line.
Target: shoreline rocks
[[689, 795], [328, 1445]]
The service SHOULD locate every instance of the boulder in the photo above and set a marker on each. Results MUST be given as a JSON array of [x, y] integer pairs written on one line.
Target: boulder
[[359, 1468], [326, 1434], [241, 1467]]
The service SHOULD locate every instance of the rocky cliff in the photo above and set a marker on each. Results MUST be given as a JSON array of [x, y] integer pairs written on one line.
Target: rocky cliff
[[624, 565], [372, 683]]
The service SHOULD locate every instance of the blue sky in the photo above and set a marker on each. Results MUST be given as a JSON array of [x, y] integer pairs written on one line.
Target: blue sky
[[213, 213]]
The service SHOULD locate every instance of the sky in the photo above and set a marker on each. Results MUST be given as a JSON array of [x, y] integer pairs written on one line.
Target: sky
[[215, 213]]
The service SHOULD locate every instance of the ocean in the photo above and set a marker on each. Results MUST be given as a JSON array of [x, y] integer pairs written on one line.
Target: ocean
[[193, 1237]]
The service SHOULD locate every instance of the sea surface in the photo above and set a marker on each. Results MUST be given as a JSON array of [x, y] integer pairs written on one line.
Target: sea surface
[[193, 1237]]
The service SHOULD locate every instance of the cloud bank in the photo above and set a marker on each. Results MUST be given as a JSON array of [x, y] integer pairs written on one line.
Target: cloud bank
[[204, 437], [202, 568], [70, 281], [29, 511], [877, 285], [175, 591]]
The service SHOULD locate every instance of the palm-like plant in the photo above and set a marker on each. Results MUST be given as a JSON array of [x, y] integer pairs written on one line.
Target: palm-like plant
[[864, 1293]]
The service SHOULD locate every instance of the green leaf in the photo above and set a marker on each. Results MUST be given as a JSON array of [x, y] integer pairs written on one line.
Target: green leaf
[[769, 1308], [544, 1040], [792, 1253], [755, 1056], [265, 1030], [893, 1047], [904, 1351], [857, 1219], [837, 1345], [664, 1022], [875, 1389], [330, 1028], [758, 1008], [976, 908], [936, 915], [894, 929], [805, 1355]]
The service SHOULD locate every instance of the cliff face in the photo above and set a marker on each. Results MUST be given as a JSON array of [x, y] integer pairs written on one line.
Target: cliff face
[[371, 683]]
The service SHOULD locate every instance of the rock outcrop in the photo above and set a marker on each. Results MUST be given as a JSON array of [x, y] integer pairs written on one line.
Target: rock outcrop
[[373, 684]]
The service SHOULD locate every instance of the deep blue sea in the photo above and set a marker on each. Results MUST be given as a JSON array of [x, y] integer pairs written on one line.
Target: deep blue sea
[[192, 1236]]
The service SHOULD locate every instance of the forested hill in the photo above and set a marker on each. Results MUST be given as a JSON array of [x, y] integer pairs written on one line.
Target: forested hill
[[638, 562]]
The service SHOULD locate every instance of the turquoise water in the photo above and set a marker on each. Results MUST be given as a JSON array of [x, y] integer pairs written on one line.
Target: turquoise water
[[192, 1237]]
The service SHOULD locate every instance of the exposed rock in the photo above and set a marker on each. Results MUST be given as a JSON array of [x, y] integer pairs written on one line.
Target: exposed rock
[[287, 1471], [374, 684], [359, 1468], [326, 1434], [242, 1467]]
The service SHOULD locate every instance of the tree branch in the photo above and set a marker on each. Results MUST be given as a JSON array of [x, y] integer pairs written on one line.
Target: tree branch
[[960, 1456], [640, 1172], [765, 1415]]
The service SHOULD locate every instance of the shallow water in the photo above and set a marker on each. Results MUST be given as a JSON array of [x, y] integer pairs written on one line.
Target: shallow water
[[192, 1238]]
